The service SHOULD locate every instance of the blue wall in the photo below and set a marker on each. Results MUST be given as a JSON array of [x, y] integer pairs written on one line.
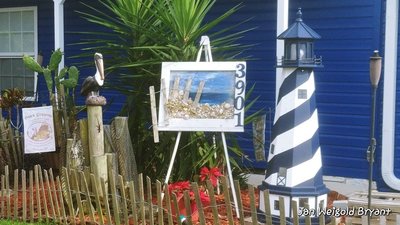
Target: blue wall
[[350, 31], [261, 67], [45, 36], [73, 23], [45, 33]]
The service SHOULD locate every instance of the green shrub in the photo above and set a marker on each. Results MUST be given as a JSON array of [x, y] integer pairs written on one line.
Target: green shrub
[[141, 35]]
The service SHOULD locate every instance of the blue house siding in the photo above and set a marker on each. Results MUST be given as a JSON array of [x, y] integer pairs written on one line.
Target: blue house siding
[[46, 44], [74, 23], [261, 68], [397, 130], [350, 31], [45, 33]]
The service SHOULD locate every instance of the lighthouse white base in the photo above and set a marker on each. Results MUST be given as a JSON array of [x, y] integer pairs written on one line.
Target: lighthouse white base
[[313, 203], [316, 205]]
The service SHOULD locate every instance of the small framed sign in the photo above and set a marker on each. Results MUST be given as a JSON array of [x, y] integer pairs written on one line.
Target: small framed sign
[[38, 130], [202, 96]]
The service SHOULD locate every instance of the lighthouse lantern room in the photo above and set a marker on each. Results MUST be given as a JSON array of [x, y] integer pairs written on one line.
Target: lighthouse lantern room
[[299, 45]]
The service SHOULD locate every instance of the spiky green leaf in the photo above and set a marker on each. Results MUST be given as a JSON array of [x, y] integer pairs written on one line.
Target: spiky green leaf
[[55, 59], [48, 78], [32, 64]]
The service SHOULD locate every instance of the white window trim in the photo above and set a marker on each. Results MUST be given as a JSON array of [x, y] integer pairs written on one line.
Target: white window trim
[[35, 53]]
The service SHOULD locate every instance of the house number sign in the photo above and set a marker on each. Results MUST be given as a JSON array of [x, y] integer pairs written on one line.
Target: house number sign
[[202, 96]]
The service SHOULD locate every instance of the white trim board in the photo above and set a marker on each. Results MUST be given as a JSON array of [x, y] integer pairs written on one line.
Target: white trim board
[[389, 94]]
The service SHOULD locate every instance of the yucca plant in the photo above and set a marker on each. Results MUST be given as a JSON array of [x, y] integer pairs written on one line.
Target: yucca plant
[[140, 35]]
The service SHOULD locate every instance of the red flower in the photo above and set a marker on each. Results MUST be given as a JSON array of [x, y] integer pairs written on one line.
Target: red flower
[[204, 198], [179, 186], [211, 174]]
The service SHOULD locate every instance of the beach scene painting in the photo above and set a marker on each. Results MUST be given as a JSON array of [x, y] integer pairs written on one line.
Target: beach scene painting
[[215, 91], [219, 85], [202, 96]]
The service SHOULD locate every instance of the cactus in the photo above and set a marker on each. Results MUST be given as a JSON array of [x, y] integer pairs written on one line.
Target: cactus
[[55, 60], [32, 64], [72, 80], [65, 81], [59, 76], [49, 79]]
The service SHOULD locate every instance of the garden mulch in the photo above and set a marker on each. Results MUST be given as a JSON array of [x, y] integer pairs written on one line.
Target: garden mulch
[[223, 218]]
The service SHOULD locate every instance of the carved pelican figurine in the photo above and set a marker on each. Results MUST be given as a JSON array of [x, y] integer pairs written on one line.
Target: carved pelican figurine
[[92, 84]]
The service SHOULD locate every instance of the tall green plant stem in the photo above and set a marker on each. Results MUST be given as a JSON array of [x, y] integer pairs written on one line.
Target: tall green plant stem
[[63, 105]]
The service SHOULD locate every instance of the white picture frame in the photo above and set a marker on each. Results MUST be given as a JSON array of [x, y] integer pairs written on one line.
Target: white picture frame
[[220, 107]]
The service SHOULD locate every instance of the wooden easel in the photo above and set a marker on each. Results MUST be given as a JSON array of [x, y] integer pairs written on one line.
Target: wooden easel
[[204, 46]]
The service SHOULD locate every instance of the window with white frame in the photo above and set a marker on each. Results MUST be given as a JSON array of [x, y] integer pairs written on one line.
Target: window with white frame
[[18, 36]]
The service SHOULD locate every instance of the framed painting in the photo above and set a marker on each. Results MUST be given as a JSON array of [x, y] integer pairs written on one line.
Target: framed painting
[[202, 96], [39, 133]]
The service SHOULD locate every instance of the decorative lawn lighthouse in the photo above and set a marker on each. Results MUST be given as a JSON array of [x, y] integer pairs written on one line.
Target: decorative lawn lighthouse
[[294, 169]]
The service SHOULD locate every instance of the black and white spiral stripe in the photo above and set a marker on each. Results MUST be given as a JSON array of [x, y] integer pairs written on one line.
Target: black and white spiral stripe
[[295, 141]]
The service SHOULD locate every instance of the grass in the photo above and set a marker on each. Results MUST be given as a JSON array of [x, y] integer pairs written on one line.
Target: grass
[[10, 222]]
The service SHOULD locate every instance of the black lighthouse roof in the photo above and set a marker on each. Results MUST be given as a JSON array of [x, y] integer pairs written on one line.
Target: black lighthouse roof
[[299, 30]]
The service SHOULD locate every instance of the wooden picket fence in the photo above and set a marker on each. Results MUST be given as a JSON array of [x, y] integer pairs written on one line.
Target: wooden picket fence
[[74, 198]]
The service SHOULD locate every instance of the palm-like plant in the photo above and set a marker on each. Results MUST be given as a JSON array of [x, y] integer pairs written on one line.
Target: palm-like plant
[[140, 35]]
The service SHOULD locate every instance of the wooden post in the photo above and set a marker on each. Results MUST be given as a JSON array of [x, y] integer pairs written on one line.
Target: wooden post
[[99, 168], [8, 197], [186, 92], [23, 178], [164, 99], [108, 143], [175, 88], [58, 128], [105, 201], [198, 93], [95, 134], [4, 136], [69, 159], [20, 151], [154, 114], [96, 142], [16, 192], [95, 128], [64, 110], [83, 131], [124, 149], [97, 197], [112, 163]]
